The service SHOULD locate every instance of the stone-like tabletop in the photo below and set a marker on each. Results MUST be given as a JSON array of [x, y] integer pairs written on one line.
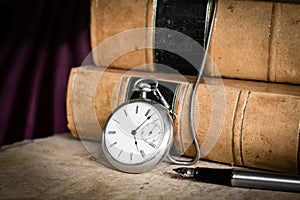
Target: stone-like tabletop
[[59, 167]]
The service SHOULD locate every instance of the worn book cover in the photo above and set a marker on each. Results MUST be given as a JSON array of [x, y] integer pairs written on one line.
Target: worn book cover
[[245, 123]]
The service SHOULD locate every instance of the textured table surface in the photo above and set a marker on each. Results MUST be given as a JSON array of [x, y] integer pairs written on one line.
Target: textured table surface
[[59, 167]]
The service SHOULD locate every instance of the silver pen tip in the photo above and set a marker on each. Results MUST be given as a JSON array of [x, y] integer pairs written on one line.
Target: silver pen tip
[[185, 172]]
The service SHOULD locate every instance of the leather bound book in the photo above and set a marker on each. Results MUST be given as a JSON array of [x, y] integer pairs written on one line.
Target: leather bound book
[[244, 123], [253, 40], [257, 40]]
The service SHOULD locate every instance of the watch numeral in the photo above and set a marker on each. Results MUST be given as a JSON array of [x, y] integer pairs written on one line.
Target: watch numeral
[[116, 121], [125, 113], [113, 144], [142, 153], [111, 132], [137, 109], [147, 112], [120, 153], [152, 145], [131, 154]]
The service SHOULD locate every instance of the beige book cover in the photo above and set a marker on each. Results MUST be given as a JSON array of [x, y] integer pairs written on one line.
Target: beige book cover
[[259, 122]]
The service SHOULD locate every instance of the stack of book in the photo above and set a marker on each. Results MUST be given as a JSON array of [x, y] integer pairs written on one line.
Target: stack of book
[[254, 47]]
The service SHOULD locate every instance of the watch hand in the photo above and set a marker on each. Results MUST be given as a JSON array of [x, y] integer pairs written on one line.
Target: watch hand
[[133, 132], [151, 130], [135, 142], [149, 117]]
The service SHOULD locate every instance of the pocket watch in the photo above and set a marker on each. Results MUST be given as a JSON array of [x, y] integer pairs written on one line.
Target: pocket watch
[[139, 133]]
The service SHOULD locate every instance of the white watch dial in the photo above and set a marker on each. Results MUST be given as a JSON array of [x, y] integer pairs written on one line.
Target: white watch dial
[[134, 133]]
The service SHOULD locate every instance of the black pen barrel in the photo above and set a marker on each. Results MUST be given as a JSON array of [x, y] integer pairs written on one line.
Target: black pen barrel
[[269, 181], [216, 176]]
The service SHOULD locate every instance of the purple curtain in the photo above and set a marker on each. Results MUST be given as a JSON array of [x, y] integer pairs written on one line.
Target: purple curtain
[[39, 43]]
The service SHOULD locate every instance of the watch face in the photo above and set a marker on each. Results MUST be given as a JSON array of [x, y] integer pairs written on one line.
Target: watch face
[[137, 136]]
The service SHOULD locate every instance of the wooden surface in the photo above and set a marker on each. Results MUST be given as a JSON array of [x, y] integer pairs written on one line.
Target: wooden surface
[[59, 167]]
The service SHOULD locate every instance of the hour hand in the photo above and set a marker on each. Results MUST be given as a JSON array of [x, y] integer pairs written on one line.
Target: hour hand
[[133, 132], [135, 142]]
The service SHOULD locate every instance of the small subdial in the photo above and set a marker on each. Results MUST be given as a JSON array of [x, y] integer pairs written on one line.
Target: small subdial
[[151, 133]]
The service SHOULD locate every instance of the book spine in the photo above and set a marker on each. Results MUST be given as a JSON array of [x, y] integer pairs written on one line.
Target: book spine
[[259, 126], [253, 40]]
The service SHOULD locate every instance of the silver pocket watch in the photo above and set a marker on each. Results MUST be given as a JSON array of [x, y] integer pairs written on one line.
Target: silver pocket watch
[[139, 133]]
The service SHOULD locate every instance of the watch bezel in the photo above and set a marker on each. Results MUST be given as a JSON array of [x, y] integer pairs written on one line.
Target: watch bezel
[[161, 150]]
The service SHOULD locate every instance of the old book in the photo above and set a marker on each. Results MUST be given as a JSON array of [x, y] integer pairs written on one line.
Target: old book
[[253, 40], [245, 123], [111, 17], [257, 40]]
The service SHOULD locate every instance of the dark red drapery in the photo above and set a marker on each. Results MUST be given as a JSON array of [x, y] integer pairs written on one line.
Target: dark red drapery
[[39, 43]]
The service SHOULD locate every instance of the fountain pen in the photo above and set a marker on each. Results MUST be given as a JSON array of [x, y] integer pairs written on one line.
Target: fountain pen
[[238, 178]]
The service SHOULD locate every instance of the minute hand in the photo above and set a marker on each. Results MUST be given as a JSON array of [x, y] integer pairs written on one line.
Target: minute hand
[[149, 117]]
